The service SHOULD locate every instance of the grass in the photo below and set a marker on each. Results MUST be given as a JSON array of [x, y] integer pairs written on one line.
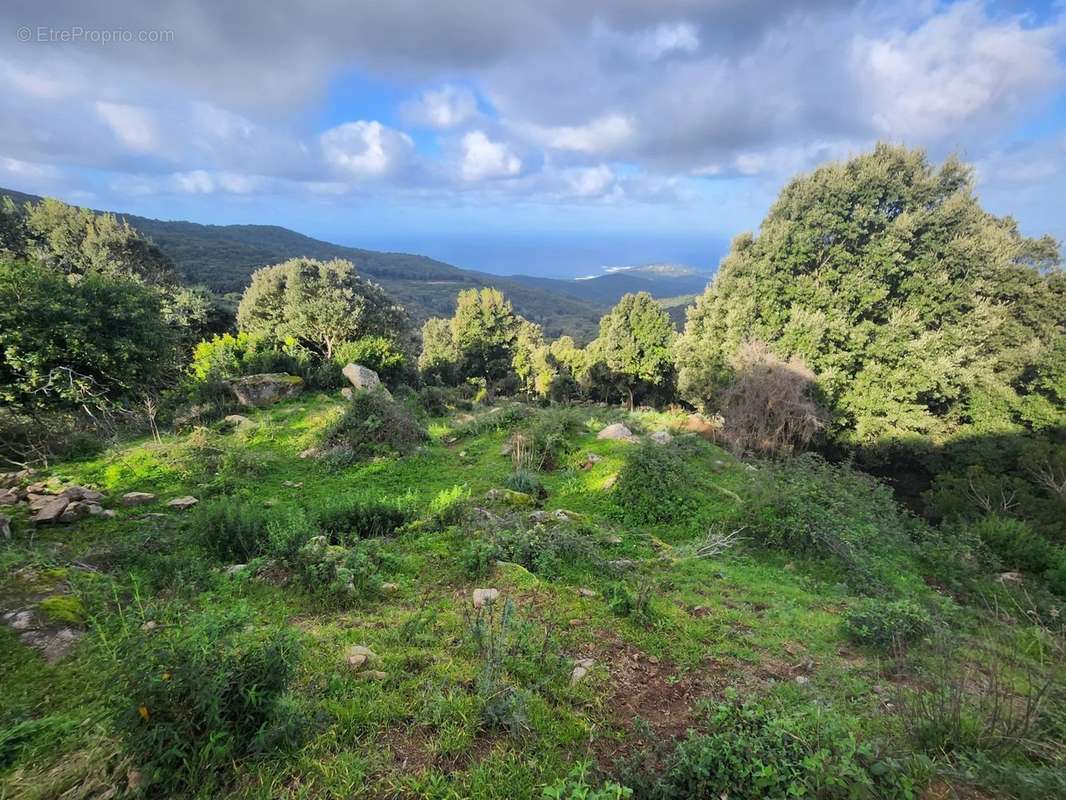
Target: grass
[[756, 620]]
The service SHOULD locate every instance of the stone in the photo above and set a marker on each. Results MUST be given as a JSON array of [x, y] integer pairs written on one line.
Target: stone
[[74, 511], [389, 588], [622, 563], [39, 501], [1010, 578], [95, 509], [51, 511], [357, 657], [362, 378], [373, 675], [81, 493], [149, 626], [183, 503], [265, 388], [107, 513], [311, 452], [587, 592], [293, 484], [53, 644], [9, 497], [137, 498], [562, 515], [539, 516], [610, 482], [5, 526], [485, 597], [511, 498], [576, 623], [235, 569], [802, 680], [614, 540], [578, 674], [661, 437], [348, 393], [19, 620], [617, 432], [237, 420]]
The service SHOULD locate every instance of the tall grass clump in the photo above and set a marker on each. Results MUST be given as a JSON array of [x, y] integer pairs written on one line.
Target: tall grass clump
[[373, 424]]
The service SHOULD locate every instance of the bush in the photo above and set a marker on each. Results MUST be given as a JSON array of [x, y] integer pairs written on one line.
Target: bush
[[478, 559], [342, 572], [449, 506], [434, 400], [655, 485], [522, 480], [544, 549], [1011, 544], [751, 750], [637, 603], [373, 424], [886, 624], [379, 353], [232, 530], [193, 699], [348, 520]]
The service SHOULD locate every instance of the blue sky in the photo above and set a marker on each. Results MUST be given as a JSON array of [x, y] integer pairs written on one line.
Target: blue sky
[[549, 137]]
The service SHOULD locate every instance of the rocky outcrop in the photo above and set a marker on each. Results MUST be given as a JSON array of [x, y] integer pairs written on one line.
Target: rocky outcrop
[[361, 378], [137, 498], [617, 432], [265, 388]]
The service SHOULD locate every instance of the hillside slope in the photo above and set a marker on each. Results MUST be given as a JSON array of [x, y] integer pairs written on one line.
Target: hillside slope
[[607, 289], [223, 257]]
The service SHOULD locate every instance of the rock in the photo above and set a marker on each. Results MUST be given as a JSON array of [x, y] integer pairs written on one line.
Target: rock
[[137, 498], [485, 597], [235, 569], [802, 680], [357, 657], [95, 509], [661, 437], [587, 592], [107, 513], [53, 644], [617, 433], [311, 452], [539, 516], [1010, 578], [74, 511], [43, 487], [39, 501], [51, 511], [610, 482], [373, 675], [614, 540], [19, 620], [5, 527], [591, 460], [622, 563], [237, 420], [81, 493], [265, 388], [587, 663], [362, 378], [576, 623], [562, 515], [348, 393], [389, 588], [149, 626], [183, 503], [578, 674], [511, 498], [9, 497], [293, 484]]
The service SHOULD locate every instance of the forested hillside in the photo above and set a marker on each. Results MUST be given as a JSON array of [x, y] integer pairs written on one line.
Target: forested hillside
[[223, 258]]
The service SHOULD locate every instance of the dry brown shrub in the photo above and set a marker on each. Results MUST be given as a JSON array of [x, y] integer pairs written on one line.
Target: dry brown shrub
[[770, 407]]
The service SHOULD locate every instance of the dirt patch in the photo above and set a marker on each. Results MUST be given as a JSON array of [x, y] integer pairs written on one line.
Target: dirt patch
[[410, 747]]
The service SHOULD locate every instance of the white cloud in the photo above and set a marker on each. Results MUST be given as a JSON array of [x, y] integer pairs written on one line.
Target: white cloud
[[599, 181], [680, 37], [131, 125], [600, 136], [484, 158], [365, 149], [446, 107]]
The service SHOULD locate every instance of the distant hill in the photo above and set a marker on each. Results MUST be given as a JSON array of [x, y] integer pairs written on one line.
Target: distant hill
[[659, 280], [223, 257]]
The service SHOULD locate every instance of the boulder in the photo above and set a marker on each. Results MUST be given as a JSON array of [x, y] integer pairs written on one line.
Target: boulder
[[183, 503], [485, 597], [81, 493], [51, 511], [1010, 578], [137, 498], [237, 420], [74, 511], [9, 497], [617, 433], [661, 437], [511, 498], [362, 378], [265, 388]]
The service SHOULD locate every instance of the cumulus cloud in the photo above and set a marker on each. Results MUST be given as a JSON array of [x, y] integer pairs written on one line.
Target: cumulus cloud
[[601, 136], [365, 149], [442, 108], [483, 158], [132, 126]]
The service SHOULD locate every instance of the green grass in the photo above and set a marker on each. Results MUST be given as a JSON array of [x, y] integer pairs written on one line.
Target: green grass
[[757, 620]]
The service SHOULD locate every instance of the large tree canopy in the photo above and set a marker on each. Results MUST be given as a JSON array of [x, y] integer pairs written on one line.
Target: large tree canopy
[[485, 331], [921, 313], [636, 338], [319, 304]]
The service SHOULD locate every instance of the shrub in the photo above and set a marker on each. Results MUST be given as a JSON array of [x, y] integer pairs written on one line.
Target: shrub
[[499, 419], [373, 424], [379, 353], [231, 529], [885, 624], [433, 400], [544, 549], [635, 603], [193, 699], [655, 485], [449, 506], [347, 520], [751, 750], [342, 572], [522, 480], [1012, 544], [770, 408], [478, 558]]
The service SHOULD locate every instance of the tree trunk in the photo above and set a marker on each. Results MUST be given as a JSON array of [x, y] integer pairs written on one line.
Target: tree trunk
[[630, 390]]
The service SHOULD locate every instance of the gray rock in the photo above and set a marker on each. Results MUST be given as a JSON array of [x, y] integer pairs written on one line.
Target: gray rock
[[183, 503], [9, 497], [587, 592], [617, 433], [74, 511], [237, 420], [578, 674], [661, 437], [362, 378], [81, 493], [21, 620], [265, 388], [137, 498], [51, 511], [358, 657], [539, 516], [485, 597], [347, 393], [53, 644], [235, 569]]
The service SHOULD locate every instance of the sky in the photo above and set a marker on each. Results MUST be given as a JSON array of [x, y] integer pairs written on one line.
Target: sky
[[550, 137]]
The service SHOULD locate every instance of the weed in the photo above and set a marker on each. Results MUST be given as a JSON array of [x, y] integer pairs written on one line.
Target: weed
[[886, 624], [231, 529]]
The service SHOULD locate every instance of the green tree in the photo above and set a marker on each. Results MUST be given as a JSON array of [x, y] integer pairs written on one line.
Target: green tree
[[921, 313], [79, 344], [485, 331], [636, 338], [319, 304], [13, 233], [529, 340], [439, 359]]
